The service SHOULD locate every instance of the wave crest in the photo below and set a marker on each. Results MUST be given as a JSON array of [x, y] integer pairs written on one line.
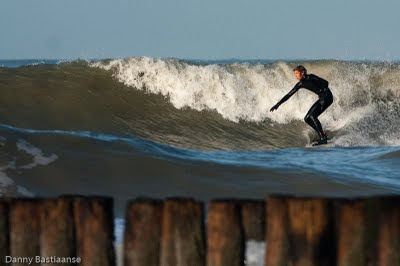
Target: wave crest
[[366, 95]]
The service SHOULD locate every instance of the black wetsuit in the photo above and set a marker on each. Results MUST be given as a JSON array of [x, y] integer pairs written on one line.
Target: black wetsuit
[[320, 87]]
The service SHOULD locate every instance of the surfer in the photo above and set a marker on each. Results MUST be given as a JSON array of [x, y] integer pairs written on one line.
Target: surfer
[[320, 87]]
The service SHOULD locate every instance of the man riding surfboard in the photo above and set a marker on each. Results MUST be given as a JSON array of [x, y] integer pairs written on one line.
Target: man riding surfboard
[[320, 87]]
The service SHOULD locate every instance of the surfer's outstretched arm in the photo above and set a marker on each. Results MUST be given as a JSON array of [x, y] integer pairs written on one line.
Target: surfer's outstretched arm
[[286, 97]]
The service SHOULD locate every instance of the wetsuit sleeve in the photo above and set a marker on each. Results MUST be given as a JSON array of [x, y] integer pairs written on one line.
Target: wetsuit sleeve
[[290, 93]]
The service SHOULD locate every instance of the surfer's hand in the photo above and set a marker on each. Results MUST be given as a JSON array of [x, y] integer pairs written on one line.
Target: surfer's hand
[[275, 107]]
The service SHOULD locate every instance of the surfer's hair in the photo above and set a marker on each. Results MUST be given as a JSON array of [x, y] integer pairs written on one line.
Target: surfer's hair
[[301, 69]]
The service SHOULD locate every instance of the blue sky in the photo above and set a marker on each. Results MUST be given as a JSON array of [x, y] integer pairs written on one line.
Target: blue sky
[[218, 29]]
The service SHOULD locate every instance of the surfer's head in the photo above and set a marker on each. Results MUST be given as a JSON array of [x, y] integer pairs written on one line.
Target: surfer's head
[[300, 72]]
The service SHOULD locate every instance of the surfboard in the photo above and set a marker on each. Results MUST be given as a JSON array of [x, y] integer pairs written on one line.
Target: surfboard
[[330, 136], [324, 144]]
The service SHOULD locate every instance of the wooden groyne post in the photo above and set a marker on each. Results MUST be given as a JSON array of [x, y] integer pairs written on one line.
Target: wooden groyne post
[[253, 219], [57, 229], [389, 232], [225, 236], [24, 229], [356, 229], [182, 233], [94, 228], [143, 233], [4, 232], [277, 249], [300, 232]]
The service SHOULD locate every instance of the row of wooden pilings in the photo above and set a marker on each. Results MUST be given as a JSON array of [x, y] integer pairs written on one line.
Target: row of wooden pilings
[[185, 232]]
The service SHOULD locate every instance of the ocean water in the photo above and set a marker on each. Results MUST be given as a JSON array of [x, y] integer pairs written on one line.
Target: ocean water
[[166, 127]]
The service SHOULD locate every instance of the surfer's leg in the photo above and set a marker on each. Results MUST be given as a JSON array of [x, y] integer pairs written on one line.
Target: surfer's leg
[[312, 118], [316, 110], [325, 101]]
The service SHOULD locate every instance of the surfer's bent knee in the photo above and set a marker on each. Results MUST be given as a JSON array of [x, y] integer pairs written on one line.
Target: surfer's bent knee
[[307, 118]]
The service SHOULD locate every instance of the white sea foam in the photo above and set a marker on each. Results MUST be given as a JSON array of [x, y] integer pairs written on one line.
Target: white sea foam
[[119, 227], [248, 91], [5, 181], [24, 192], [255, 253], [38, 157], [8, 186]]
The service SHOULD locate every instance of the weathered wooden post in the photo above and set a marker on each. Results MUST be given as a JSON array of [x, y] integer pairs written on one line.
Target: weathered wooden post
[[355, 229], [182, 233], [94, 232], [304, 232], [24, 231], [389, 232], [57, 229], [225, 236], [253, 219], [277, 248], [311, 232], [4, 232], [143, 233]]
